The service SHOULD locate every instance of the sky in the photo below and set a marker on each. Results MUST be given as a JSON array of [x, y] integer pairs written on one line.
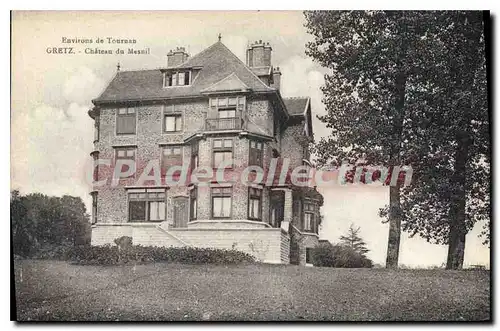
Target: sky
[[51, 133]]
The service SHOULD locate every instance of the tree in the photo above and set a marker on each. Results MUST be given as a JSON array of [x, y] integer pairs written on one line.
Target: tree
[[75, 228], [23, 233], [374, 56], [40, 221], [410, 88], [451, 191], [354, 241]]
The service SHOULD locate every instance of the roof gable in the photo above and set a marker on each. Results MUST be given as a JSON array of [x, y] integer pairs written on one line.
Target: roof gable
[[218, 62], [230, 83]]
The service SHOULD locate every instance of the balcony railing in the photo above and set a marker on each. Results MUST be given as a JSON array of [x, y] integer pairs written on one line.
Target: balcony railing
[[215, 124]]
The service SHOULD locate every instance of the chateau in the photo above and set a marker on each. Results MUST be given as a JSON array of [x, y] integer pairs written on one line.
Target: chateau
[[206, 114]]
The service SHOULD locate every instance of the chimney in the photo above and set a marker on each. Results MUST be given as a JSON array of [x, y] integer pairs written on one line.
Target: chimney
[[176, 57], [276, 78], [259, 54]]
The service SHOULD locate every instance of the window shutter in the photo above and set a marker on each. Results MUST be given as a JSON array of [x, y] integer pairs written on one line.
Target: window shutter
[[126, 124], [169, 123], [120, 124], [130, 124]]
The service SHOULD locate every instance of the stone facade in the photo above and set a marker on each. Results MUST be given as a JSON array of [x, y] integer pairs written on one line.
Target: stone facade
[[263, 119], [270, 245]]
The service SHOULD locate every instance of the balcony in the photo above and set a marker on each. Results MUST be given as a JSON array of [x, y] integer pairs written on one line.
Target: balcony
[[219, 124]]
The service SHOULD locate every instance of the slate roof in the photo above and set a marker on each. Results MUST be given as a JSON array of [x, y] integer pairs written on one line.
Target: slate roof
[[217, 62], [296, 105]]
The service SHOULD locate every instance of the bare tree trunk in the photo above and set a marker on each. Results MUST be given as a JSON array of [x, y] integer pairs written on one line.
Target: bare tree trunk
[[394, 228], [457, 221], [395, 191], [456, 239], [456, 249]]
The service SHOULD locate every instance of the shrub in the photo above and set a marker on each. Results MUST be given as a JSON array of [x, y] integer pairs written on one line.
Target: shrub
[[51, 252], [112, 255], [100, 255], [322, 255], [339, 256]]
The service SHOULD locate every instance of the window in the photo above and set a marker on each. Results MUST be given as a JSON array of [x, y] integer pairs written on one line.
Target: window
[[125, 153], [222, 151], [173, 123], [156, 210], [95, 157], [308, 218], [227, 119], [309, 225], [194, 155], [193, 203], [147, 205], [277, 216], [96, 129], [171, 155], [221, 202], [126, 121], [227, 113], [180, 78], [277, 208], [255, 157], [254, 203], [94, 207], [231, 103]]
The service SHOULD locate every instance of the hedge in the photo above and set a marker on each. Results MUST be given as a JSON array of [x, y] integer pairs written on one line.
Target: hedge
[[114, 255]]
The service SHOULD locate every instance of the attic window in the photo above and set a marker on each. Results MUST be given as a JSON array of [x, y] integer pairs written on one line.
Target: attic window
[[178, 78]]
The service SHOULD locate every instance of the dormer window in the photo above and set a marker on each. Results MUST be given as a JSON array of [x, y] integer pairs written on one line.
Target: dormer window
[[177, 78]]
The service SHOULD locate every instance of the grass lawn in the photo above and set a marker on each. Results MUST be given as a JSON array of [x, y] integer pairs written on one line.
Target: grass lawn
[[59, 291]]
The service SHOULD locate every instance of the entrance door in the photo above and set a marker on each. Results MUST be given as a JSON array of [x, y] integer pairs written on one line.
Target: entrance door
[[181, 212], [277, 209]]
